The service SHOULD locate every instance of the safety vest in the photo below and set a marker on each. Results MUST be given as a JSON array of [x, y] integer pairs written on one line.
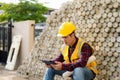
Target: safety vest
[[76, 55]]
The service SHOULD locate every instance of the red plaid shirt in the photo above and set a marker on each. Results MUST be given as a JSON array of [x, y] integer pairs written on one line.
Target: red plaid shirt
[[86, 52]]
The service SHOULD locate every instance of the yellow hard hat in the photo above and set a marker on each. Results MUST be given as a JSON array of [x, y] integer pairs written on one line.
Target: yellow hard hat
[[65, 29]]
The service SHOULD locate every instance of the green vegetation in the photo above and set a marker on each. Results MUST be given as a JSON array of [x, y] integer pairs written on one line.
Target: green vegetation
[[24, 10]]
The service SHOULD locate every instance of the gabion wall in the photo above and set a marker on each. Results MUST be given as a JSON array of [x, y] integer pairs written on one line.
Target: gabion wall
[[98, 23]]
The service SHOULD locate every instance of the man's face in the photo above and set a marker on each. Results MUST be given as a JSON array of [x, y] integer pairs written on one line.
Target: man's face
[[68, 40]]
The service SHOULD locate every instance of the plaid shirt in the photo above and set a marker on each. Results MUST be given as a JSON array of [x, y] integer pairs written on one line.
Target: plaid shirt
[[86, 52]]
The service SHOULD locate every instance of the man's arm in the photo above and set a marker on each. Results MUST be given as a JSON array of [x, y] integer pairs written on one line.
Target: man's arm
[[86, 52], [59, 58], [56, 60]]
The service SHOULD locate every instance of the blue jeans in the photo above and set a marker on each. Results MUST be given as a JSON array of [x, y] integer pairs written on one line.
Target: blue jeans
[[78, 74]]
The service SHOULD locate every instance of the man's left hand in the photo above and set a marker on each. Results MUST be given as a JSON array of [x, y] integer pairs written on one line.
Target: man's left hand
[[57, 66]]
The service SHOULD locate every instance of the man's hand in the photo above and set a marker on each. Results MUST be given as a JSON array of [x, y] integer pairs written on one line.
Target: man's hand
[[57, 66]]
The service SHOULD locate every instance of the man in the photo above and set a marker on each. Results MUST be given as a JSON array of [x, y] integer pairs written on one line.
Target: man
[[73, 56]]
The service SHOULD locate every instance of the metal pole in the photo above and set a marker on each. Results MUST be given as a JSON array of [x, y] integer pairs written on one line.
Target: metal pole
[[3, 38], [9, 33]]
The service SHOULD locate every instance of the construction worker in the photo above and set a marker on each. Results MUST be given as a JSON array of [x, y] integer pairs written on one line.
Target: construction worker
[[73, 57]]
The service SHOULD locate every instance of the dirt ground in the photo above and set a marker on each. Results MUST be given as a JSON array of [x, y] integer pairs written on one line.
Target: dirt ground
[[11, 75]]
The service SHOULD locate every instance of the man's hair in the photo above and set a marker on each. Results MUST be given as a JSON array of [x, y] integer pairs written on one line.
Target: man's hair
[[72, 33]]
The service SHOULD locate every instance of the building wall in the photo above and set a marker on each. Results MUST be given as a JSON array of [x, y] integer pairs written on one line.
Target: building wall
[[26, 30]]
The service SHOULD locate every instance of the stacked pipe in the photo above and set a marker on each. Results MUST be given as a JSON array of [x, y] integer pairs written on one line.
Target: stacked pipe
[[97, 22]]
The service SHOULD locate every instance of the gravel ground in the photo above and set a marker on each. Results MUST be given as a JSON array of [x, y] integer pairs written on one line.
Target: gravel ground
[[12, 75]]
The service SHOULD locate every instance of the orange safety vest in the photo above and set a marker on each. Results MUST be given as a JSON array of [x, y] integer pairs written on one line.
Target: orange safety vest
[[76, 55]]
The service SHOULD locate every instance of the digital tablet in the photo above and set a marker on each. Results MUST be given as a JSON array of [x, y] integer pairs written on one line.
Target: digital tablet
[[48, 62]]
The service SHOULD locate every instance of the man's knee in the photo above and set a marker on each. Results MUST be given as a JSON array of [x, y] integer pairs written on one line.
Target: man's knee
[[79, 69], [78, 73]]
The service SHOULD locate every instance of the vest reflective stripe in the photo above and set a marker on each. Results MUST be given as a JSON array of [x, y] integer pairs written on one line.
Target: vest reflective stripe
[[76, 54], [80, 47]]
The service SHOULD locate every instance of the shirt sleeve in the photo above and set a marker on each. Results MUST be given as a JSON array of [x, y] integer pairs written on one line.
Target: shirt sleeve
[[86, 52], [59, 58]]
